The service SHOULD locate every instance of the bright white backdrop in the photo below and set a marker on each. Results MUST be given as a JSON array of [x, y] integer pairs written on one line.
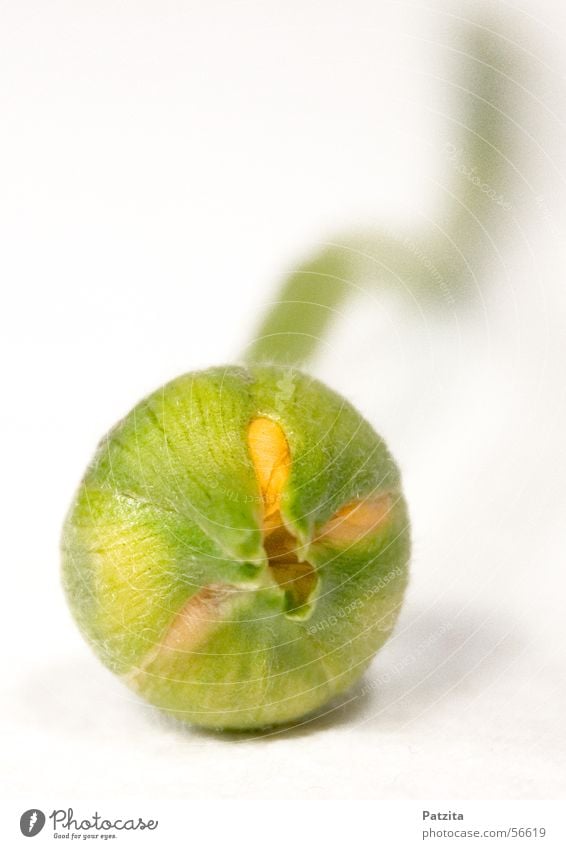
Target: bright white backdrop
[[162, 164]]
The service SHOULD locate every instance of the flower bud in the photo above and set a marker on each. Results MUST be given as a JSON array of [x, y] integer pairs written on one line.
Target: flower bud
[[237, 550]]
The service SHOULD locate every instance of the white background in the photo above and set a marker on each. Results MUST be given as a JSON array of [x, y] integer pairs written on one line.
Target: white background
[[162, 165]]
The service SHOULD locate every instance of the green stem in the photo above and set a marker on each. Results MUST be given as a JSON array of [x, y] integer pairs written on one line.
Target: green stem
[[442, 264]]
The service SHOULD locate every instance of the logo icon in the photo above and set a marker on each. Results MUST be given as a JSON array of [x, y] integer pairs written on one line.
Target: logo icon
[[31, 822]]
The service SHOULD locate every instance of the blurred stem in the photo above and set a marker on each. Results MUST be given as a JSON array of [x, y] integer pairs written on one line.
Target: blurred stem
[[441, 265]]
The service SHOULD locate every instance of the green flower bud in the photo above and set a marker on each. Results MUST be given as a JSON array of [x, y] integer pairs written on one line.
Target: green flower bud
[[237, 550]]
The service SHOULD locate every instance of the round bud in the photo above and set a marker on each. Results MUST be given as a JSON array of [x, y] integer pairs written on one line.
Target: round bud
[[237, 550]]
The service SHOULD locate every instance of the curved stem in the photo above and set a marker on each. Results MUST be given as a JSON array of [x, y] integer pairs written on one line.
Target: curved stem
[[441, 264]]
